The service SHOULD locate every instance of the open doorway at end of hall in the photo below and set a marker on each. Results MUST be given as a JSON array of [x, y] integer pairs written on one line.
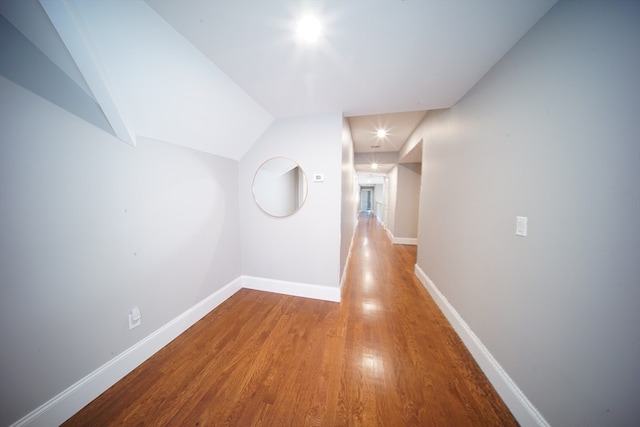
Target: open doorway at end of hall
[[367, 195]]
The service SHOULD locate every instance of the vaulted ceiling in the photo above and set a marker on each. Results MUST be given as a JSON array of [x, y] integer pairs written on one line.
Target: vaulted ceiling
[[212, 75]]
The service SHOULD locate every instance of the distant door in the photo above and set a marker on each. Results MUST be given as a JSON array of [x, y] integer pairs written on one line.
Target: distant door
[[366, 199]]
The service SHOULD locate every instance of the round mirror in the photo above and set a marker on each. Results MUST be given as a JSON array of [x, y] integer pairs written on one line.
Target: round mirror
[[279, 187]]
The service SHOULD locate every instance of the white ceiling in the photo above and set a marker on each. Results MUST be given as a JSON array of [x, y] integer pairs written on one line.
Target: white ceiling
[[212, 75], [399, 127], [374, 57]]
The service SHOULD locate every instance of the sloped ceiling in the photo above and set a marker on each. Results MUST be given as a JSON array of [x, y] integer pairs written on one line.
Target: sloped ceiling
[[164, 88], [375, 58], [212, 75], [33, 67]]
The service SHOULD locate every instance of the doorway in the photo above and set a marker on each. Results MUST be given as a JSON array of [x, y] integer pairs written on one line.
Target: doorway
[[366, 199]]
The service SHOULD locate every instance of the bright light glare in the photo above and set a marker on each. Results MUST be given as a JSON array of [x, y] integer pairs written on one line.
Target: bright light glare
[[369, 307], [309, 29], [374, 166], [368, 277], [381, 133], [374, 364]]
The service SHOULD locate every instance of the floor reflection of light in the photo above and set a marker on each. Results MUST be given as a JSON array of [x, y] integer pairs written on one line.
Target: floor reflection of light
[[368, 279], [366, 241], [373, 365], [369, 307]]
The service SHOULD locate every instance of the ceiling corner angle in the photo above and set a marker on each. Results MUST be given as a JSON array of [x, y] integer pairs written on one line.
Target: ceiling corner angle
[[75, 37]]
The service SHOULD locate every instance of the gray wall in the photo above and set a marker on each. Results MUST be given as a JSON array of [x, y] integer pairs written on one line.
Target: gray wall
[[89, 228], [407, 201], [304, 247], [551, 133], [404, 195]]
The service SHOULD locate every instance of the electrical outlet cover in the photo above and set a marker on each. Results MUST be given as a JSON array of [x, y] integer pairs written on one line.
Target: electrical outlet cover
[[521, 226]]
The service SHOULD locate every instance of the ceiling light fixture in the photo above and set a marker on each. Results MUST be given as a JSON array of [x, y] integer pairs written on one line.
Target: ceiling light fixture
[[374, 166], [381, 133], [309, 29]]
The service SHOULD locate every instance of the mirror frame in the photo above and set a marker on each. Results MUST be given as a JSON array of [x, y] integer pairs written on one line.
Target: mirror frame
[[305, 181]]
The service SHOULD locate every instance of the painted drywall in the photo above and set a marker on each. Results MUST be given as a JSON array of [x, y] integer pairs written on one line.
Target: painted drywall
[[149, 79], [403, 188], [50, 82], [366, 159], [91, 227], [304, 247], [380, 202], [348, 202], [30, 19], [551, 133], [407, 200], [168, 89], [392, 194]]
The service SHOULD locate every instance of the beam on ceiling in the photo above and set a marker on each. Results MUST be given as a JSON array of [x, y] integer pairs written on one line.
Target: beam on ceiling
[[69, 26]]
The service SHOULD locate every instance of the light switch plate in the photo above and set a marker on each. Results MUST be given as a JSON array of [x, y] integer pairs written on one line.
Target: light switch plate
[[521, 226]]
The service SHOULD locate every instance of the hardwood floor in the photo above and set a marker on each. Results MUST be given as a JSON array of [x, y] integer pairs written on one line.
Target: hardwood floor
[[384, 356]]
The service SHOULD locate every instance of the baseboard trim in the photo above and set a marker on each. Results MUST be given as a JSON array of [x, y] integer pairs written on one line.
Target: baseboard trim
[[74, 398], [521, 408], [305, 290], [67, 403], [402, 240], [405, 241]]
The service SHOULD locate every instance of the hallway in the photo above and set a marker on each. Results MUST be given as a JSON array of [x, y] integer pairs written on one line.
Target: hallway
[[384, 356]]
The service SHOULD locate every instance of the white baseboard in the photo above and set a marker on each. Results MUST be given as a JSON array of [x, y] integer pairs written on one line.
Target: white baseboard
[[77, 396], [521, 408], [292, 288], [74, 398], [405, 241], [402, 240]]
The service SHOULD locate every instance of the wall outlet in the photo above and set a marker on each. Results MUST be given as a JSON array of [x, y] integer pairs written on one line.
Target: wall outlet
[[521, 226], [135, 318]]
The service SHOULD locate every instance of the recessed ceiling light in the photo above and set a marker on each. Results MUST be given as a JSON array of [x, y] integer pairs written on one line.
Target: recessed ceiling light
[[381, 133], [309, 29], [374, 166]]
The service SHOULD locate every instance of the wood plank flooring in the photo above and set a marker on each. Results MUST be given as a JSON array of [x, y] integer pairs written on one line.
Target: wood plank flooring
[[384, 356]]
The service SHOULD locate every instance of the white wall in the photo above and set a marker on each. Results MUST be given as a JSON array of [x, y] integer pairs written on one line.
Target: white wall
[[379, 202], [50, 82], [552, 133], [392, 194], [303, 248], [349, 208], [91, 227]]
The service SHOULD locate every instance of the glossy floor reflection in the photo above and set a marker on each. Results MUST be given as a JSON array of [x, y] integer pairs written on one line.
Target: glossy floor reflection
[[384, 356], [404, 365]]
